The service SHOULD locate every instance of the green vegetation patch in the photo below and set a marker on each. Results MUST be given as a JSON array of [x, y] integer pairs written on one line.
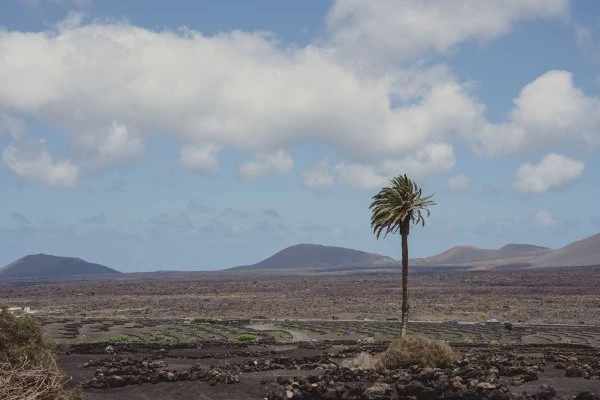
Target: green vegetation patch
[[159, 336], [246, 337], [124, 338]]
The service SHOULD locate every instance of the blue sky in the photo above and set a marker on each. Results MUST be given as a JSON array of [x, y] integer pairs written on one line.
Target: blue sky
[[202, 135]]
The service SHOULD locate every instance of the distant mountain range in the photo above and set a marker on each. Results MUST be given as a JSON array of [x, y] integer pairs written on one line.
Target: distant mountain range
[[308, 258], [313, 258], [467, 254], [48, 266], [579, 253]]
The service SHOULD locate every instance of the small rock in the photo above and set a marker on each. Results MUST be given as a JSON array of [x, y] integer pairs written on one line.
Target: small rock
[[586, 396], [573, 371], [377, 391], [546, 392], [486, 385], [517, 380]]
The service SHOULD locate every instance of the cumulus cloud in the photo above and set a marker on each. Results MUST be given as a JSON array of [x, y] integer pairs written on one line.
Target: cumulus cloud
[[200, 158], [544, 220], [30, 160], [552, 172], [548, 110], [459, 183], [278, 162], [399, 30], [428, 161], [256, 95], [359, 176], [318, 177], [13, 126], [111, 146]]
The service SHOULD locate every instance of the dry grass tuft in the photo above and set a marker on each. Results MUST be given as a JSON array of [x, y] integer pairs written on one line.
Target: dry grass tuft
[[364, 361], [417, 350], [24, 380]]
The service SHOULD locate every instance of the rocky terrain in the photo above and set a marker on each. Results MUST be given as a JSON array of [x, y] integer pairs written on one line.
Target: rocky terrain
[[553, 295], [322, 370], [521, 334]]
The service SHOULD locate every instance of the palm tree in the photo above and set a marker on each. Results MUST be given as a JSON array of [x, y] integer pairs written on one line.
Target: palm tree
[[393, 209]]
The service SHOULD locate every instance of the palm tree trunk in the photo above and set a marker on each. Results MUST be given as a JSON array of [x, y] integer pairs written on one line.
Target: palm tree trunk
[[404, 284], [404, 230]]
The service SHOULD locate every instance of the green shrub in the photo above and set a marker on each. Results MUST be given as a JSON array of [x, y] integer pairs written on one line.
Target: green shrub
[[417, 350], [21, 336], [159, 336], [246, 337], [283, 335], [508, 326], [126, 338], [28, 367]]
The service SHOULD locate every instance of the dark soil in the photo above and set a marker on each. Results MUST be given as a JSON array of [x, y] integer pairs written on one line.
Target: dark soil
[[550, 295], [222, 370], [522, 334]]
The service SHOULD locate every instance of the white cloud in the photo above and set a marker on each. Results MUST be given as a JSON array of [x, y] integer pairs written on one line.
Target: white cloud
[[200, 158], [459, 183], [318, 177], [544, 220], [253, 95], [548, 110], [30, 160], [552, 172], [359, 176], [430, 160], [256, 95], [111, 146], [278, 162], [398, 30], [13, 126]]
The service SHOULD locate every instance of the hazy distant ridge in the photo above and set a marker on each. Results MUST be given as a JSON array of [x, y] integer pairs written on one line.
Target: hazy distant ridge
[[318, 257], [580, 253], [461, 255], [49, 266], [314, 258], [311, 257]]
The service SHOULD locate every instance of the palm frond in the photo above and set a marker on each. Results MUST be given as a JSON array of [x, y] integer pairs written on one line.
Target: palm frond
[[402, 201]]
